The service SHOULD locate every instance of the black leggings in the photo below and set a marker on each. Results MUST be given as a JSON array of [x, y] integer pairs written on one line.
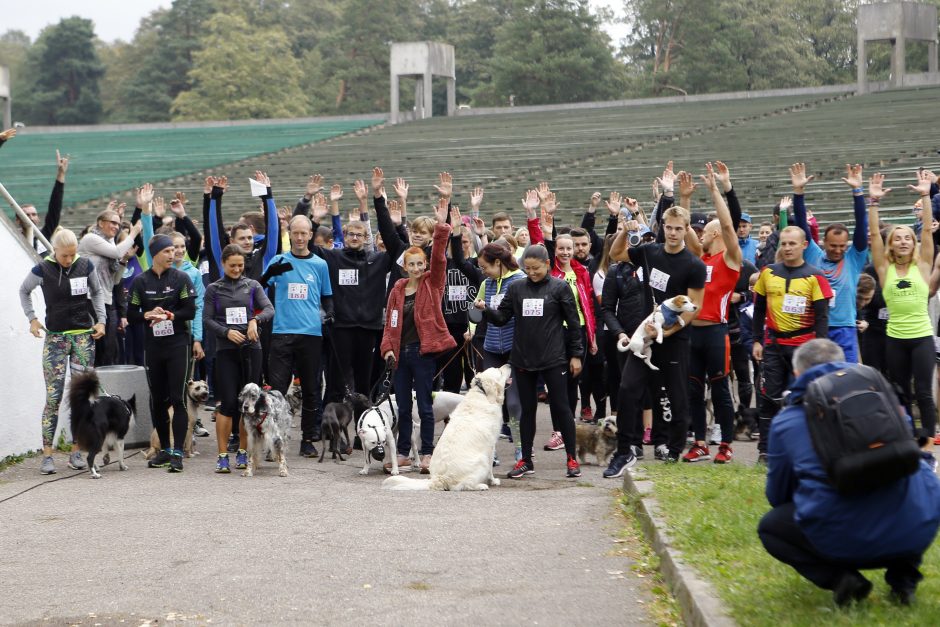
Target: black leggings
[[234, 368], [166, 370], [562, 418], [297, 353], [593, 379], [574, 381], [351, 361], [914, 358], [776, 374], [451, 363]]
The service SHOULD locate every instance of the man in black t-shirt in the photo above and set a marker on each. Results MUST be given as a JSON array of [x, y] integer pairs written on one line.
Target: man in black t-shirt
[[666, 270]]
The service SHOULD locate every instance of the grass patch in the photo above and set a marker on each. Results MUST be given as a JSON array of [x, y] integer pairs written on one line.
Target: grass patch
[[713, 514], [631, 542], [12, 460]]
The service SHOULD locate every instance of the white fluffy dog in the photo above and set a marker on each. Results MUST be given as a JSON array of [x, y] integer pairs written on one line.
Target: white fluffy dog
[[463, 457], [442, 403], [663, 317]]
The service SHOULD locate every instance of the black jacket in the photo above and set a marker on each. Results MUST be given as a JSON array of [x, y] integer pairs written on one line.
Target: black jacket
[[540, 341], [225, 295], [174, 292], [622, 301]]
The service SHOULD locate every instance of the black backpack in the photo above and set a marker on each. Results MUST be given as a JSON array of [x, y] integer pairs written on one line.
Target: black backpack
[[858, 430]]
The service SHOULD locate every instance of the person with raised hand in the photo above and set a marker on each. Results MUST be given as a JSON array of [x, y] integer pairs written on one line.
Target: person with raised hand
[[7, 135], [69, 284], [709, 349], [54, 212], [414, 333], [903, 266], [840, 260]]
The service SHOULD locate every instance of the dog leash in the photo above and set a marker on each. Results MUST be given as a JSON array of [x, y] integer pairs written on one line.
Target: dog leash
[[463, 349]]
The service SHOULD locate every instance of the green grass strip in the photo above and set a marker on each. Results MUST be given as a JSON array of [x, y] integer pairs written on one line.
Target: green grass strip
[[712, 514]]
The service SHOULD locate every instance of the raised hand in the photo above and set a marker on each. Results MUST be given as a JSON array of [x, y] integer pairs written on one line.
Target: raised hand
[[785, 203], [922, 187], [710, 178], [336, 192], [631, 204], [159, 208], [686, 184], [798, 177], [221, 182], [723, 175], [178, 208], [207, 186], [543, 190], [62, 164], [120, 210], [401, 189], [853, 176], [7, 135], [613, 203], [440, 210], [394, 211], [876, 188], [656, 190], [318, 206], [455, 219], [144, 195], [478, 225], [595, 200], [549, 204], [359, 188], [932, 177], [446, 187], [668, 179], [378, 181], [476, 200], [314, 186], [262, 178], [548, 221]]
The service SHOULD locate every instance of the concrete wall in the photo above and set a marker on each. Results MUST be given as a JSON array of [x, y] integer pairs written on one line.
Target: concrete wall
[[22, 389]]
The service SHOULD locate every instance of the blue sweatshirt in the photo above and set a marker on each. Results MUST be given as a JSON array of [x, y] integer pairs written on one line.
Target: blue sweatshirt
[[298, 294]]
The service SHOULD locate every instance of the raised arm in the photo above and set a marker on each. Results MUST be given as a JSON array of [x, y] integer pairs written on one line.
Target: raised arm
[[185, 226], [922, 188], [54, 214], [723, 174], [393, 244], [853, 178], [272, 224], [800, 180], [729, 231], [439, 241], [876, 191]]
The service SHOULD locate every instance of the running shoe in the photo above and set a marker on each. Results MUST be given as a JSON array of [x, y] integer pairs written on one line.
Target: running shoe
[[241, 459], [714, 434], [555, 442], [587, 414], [725, 454], [307, 449], [160, 460], [661, 452], [48, 466], [574, 468], [637, 451], [698, 453], [176, 462], [76, 462], [505, 433], [222, 465], [618, 465], [522, 467], [199, 431]]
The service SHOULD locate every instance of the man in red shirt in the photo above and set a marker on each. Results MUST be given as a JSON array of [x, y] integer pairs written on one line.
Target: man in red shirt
[[710, 349]]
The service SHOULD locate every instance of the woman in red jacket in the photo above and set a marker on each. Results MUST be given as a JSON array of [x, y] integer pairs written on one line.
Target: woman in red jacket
[[414, 333]]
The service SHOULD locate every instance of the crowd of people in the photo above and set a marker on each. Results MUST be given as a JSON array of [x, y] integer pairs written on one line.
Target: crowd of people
[[333, 301]]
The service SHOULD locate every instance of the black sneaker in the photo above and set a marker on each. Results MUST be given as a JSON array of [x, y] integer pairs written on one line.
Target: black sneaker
[[176, 463], [505, 433], [307, 449], [199, 431], [233, 444], [619, 464], [522, 467], [160, 460], [637, 451], [661, 452]]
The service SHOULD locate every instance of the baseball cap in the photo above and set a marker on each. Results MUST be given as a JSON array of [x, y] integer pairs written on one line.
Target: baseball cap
[[746, 217], [698, 220]]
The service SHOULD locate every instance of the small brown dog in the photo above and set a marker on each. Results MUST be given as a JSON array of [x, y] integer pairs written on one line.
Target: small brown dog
[[600, 440], [196, 394]]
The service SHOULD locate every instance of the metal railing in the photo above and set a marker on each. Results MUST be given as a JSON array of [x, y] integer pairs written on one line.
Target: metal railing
[[25, 219]]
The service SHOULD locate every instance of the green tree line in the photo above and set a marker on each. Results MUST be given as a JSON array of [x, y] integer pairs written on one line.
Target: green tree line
[[252, 59]]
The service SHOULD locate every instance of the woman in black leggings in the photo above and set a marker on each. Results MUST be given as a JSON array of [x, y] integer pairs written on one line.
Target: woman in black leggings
[[164, 298], [542, 346], [229, 314]]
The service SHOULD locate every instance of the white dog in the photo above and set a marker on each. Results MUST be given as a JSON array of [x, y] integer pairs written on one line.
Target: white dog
[[266, 416], [376, 431], [463, 457], [666, 316]]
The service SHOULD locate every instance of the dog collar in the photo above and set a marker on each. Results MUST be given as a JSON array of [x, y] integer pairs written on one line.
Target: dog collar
[[264, 416]]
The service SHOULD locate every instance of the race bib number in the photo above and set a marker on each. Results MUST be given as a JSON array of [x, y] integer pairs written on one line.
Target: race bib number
[[883, 313], [236, 315], [495, 300], [79, 286], [832, 301], [708, 274], [394, 322], [794, 304], [658, 279], [456, 293], [349, 277], [164, 328], [533, 307], [296, 291]]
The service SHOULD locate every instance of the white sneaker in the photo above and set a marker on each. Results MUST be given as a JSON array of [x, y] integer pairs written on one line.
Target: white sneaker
[[661, 452], [714, 434]]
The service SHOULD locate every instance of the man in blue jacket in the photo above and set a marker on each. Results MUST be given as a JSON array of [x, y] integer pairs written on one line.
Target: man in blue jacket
[[828, 537]]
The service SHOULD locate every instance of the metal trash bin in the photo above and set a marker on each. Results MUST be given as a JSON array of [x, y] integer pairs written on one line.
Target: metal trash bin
[[128, 381]]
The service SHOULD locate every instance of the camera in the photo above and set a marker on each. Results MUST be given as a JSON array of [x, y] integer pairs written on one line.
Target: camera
[[634, 239]]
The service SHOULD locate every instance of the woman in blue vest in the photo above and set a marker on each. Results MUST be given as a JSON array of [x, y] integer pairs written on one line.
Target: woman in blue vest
[[75, 318]]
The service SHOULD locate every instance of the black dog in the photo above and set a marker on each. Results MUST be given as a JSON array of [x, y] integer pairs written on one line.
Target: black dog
[[98, 422], [336, 419]]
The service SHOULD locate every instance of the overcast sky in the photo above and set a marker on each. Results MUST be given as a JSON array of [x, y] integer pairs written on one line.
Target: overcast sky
[[118, 19]]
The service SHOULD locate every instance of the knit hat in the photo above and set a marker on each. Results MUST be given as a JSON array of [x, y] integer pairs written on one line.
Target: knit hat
[[158, 243]]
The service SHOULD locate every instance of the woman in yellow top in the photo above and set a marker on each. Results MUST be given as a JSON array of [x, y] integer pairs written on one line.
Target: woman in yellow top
[[903, 266]]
